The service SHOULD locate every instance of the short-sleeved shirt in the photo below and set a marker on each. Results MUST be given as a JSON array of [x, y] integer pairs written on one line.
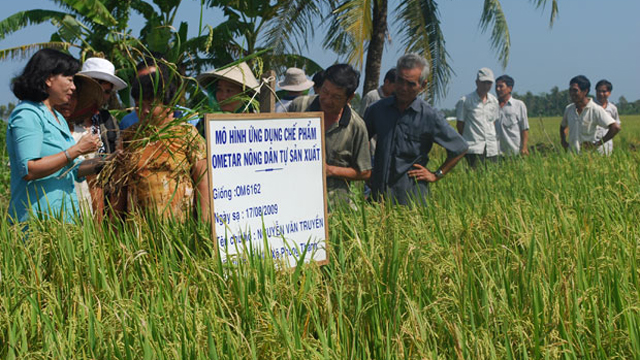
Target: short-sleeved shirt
[[369, 98], [582, 127], [479, 123], [512, 122], [607, 147], [157, 167], [346, 142], [33, 133], [404, 139], [282, 106]]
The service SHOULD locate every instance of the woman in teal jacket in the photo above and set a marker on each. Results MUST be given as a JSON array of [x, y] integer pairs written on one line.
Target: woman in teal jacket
[[42, 151]]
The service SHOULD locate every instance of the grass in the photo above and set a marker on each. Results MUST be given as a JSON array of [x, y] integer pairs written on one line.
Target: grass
[[533, 259]]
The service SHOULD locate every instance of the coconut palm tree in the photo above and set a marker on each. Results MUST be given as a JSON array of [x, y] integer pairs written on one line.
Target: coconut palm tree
[[359, 30], [360, 27]]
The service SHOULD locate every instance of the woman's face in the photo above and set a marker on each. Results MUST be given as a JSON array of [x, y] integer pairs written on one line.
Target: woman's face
[[226, 90], [69, 107], [60, 88]]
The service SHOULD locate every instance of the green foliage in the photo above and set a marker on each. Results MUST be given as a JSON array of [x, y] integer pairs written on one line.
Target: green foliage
[[5, 111], [628, 108]]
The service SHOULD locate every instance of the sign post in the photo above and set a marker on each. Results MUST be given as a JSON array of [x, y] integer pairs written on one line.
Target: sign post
[[267, 182]]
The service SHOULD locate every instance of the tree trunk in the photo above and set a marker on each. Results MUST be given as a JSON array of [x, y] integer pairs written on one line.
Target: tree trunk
[[376, 46]]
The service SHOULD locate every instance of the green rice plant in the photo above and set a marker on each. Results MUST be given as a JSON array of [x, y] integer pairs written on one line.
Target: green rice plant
[[533, 258]]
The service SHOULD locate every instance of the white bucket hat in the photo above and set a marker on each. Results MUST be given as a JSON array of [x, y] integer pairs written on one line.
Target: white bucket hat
[[295, 80], [239, 74], [102, 69]]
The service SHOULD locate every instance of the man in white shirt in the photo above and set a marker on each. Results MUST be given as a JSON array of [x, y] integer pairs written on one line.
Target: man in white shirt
[[513, 124], [603, 91], [477, 113], [582, 117], [387, 89]]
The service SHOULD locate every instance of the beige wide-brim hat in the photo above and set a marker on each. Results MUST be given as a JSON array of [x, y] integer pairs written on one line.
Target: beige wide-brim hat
[[295, 80], [90, 97], [102, 69], [239, 74]]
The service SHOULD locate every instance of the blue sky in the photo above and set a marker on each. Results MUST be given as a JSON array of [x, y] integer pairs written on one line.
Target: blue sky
[[598, 39]]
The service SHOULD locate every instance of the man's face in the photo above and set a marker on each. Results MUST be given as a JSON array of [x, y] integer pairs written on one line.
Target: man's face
[[389, 87], [577, 95], [602, 93], [408, 84], [225, 92], [502, 90], [333, 98], [483, 86]]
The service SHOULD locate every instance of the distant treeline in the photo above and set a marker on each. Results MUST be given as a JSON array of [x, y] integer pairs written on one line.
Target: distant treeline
[[5, 111], [554, 102]]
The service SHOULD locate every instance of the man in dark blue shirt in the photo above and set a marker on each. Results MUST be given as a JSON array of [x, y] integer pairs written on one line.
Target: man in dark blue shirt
[[407, 127]]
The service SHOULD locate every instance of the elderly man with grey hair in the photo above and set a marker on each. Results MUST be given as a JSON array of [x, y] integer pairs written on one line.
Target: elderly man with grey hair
[[407, 127]]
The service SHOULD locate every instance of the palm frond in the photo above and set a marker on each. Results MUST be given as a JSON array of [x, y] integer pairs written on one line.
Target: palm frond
[[293, 24], [25, 51], [23, 19], [493, 17], [89, 9], [419, 21], [354, 19], [554, 8]]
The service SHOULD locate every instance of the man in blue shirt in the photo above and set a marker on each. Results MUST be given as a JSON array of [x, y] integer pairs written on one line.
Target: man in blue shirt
[[407, 127]]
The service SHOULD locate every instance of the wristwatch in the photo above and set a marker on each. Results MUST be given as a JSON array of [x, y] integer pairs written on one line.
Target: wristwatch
[[439, 175]]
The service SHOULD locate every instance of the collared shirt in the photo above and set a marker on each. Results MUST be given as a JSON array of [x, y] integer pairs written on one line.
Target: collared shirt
[[479, 123], [406, 138], [282, 106], [369, 98], [346, 142], [607, 147], [33, 133], [582, 127], [512, 122]]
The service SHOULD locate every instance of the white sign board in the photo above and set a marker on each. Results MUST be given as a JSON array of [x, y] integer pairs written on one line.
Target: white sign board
[[268, 185]]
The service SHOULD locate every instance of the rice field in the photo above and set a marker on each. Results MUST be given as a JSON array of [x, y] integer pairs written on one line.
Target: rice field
[[536, 258]]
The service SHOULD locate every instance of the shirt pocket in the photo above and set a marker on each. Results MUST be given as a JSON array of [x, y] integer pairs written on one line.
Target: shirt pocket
[[509, 121], [587, 127], [411, 145]]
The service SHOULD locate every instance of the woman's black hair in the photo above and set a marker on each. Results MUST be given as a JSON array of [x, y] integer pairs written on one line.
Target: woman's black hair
[[157, 85], [31, 84]]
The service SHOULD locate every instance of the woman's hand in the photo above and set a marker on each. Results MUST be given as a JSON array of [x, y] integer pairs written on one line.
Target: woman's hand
[[87, 144]]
